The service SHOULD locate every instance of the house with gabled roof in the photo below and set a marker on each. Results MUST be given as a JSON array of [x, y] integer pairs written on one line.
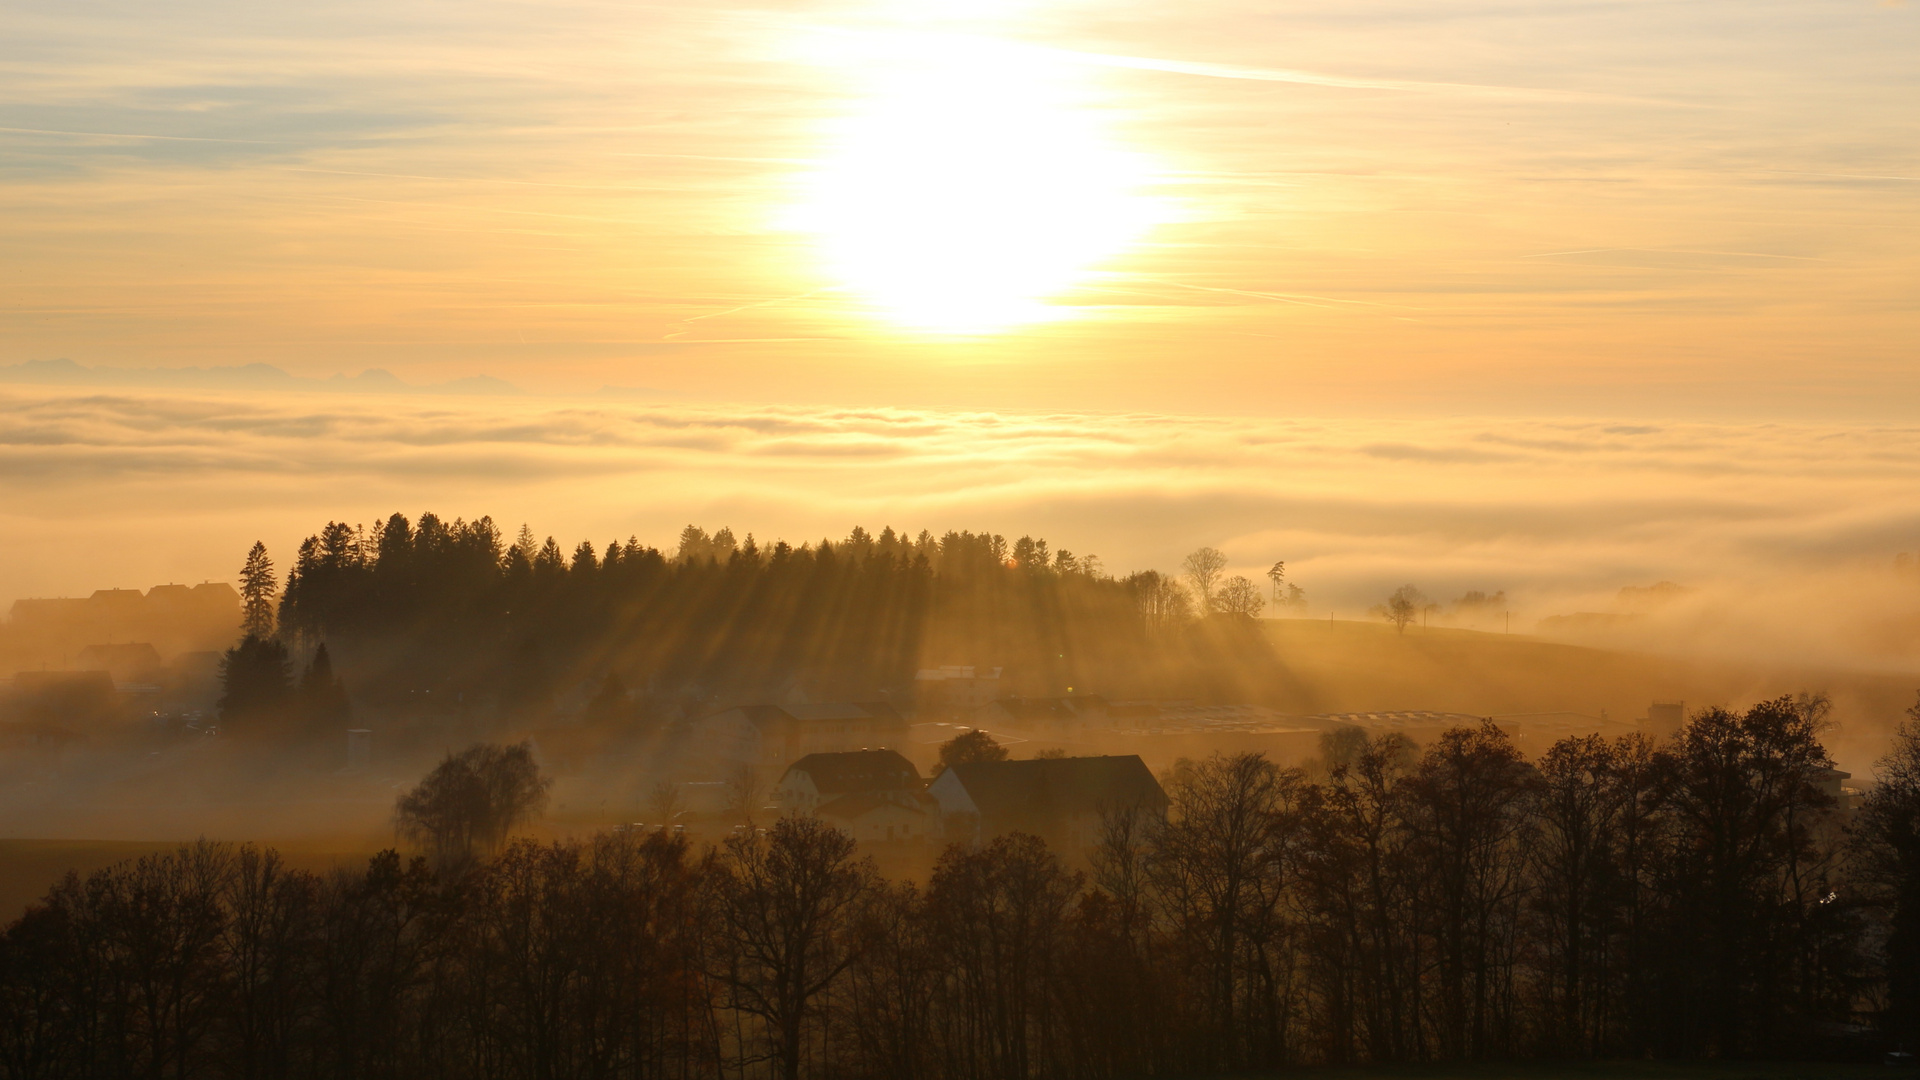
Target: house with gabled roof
[[875, 795], [1061, 800], [817, 779]]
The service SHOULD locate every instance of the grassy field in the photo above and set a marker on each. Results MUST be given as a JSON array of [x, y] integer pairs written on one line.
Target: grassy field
[[1361, 666]]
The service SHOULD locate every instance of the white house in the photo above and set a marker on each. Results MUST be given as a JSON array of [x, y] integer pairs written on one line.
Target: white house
[[876, 817]]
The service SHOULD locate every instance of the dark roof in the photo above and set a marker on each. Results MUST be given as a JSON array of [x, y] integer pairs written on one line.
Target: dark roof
[[857, 770], [763, 716], [1019, 791], [851, 807]]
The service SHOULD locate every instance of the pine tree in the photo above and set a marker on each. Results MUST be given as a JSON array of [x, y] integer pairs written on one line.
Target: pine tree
[[257, 588], [256, 682], [322, 697]]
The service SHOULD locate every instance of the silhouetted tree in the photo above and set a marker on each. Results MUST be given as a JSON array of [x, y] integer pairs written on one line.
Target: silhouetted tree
[[470, 801], [968, 747], [256, 682], [1377, 906], [322, 697], [1162, 603], [788, 899], [1240, 596], [1468, 829], [1402, 607], [268, 941], [1743, 792], [999, 913], [1203, 567], [1576, 806], [257, 588], [1221, 866], [1887, 846]]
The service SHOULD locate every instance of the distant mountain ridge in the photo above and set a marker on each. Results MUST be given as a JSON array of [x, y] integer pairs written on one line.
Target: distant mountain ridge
[[64, 372]]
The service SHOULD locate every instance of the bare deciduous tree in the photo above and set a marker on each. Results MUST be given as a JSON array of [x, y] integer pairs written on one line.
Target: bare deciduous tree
[[1887, 844], [1240, 596], [1203, 567], [664, 803], [787, 902], [745, 788], [1162, 603], [1218, 867], [1402, 607]]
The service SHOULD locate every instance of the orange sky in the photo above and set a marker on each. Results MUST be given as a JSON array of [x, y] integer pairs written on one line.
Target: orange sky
[[1219, 207]]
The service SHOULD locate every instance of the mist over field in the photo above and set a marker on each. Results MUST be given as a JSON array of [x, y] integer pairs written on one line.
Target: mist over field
[[1785, 536], [1617, 562]]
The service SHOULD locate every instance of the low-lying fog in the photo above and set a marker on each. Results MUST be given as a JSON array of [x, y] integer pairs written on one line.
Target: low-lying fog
[[1615, 563]]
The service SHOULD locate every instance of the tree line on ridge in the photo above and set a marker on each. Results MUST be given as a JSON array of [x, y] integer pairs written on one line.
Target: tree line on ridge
[[453, 616]]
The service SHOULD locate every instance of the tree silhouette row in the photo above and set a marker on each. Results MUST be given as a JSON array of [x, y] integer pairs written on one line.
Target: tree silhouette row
[[1703, 897], [412, 610]]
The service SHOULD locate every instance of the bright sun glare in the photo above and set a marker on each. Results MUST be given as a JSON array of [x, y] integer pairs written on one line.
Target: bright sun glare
[[973, 185]]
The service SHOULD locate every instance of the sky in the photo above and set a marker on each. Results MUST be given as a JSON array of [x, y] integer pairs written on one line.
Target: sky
[[1547, 298], [1694, 208]]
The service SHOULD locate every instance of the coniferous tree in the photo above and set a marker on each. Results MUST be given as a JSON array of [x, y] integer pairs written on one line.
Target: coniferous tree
[[257, 588], [256, 682], [323, 698]]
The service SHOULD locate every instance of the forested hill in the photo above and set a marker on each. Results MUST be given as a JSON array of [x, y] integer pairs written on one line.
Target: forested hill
[[454, 608]]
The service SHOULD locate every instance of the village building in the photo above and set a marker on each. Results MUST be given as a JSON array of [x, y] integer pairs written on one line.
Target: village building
[[818, 779], [170, 618], [1061, 800], [132, 662], [878, 818], [874, 795]]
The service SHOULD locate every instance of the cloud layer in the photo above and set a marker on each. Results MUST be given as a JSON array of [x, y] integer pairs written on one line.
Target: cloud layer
[[1788, 533]]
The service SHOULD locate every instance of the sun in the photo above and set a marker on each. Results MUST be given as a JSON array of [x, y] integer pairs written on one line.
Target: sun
[[973, 184]]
